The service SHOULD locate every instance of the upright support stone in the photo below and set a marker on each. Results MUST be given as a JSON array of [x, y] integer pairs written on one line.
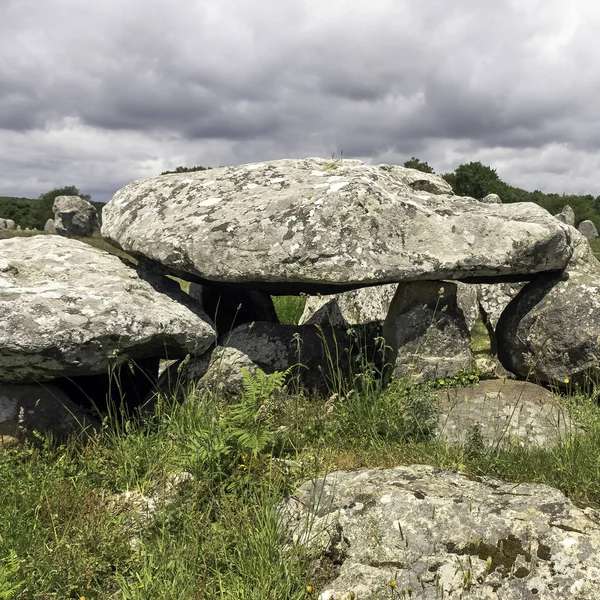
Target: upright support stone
[[427, 332]]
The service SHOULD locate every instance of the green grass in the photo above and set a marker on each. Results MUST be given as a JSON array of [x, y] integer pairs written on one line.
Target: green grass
[[595, 244], [67, 532], [289, 308]]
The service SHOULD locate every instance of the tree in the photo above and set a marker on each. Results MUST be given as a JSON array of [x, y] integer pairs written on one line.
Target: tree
[[475, 180], [43, 209], [419, 165], [185, 170]]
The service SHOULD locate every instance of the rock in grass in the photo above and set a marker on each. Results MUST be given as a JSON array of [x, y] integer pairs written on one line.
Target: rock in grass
[[6, 224], [319, 226], [74, 216], [68, 309], [588, 229], [551, 331], [432, 529], [427, 331]]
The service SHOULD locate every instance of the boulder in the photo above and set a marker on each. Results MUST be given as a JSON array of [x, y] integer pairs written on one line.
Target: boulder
[[79, 310], [567, 215], [491, 199], [74, 216], [319, 358], [588, 229], [437, 533], [317, 226], [551, 331], [502, 413], [7, 224], [427, 331], [230, 308], [26, 408], [49, 226]]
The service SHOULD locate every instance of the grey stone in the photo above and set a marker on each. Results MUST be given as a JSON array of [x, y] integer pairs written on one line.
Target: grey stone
[[503, 413], [491, 199], [441, 532], [27, 408], [551, 330], [567, 216], [68, 309], [318, 226], [427, 332], [7, 224], [317, 357], [74, 216], [49, 226], [588, 229], [467, 302]]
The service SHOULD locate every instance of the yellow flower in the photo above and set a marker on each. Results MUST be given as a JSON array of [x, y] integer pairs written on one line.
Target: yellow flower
[[309, 589], [566, 380], [393, 583]]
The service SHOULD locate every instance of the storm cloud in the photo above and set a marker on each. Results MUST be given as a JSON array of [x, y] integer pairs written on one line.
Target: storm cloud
[[100, 94]]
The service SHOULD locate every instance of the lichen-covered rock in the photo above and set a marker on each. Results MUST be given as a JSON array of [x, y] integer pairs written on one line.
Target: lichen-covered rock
[[318, 356], [567, 216], [319, 226], [74, 216], [551, 330], [27, 408], [427, 332], [491, 199], [68, 309], [588, 229], [443, 534], [502, 412]]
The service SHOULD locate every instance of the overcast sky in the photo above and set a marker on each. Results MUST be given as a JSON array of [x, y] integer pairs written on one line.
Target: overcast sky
[[98, 94]]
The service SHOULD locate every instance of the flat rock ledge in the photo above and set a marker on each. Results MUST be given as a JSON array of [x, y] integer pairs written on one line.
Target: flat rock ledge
[[314, 225], [68, 309], [445, 535]]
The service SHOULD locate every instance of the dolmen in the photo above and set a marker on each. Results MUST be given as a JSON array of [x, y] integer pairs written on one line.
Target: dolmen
[[239, 235]]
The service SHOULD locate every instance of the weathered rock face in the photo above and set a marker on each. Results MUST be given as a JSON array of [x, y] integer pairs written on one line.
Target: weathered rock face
[[276, 347], [588, 229], [49, 226], [433, 529], [32, 407], [427, 331], [6, 224], [319, 226], [74, 307], [551, 330], [567, 216], [230, 308], [74, 216], [491, 199], [503, 413]]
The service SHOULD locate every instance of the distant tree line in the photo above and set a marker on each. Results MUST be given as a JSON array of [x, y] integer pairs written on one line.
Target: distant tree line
[[34, 213], [477, 180], [185, 170]]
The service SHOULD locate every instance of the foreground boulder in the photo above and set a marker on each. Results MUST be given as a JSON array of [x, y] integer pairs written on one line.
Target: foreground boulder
[[427, 331], [321, 226], [68, 309], [439, 534], [588, 229], [551, 331], [74, 216]]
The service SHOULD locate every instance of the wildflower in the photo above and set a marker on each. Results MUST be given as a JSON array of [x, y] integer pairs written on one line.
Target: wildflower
[[309, 590], [393, 583], [566, 380], [488, 563], [409, 588]]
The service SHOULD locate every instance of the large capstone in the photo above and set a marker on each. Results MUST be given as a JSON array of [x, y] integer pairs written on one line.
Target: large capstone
[[430, 529], [314, 225], [551, 331], [427, 331], [74, 216], [68, 309]]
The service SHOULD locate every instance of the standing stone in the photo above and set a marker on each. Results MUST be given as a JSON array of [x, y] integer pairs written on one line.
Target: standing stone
[[74, 216], [317, 226], [68, 310], [588, 229], [7, 224], [567, 216], [49, 226], [551, 331], [491, 199], [427, 332]]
